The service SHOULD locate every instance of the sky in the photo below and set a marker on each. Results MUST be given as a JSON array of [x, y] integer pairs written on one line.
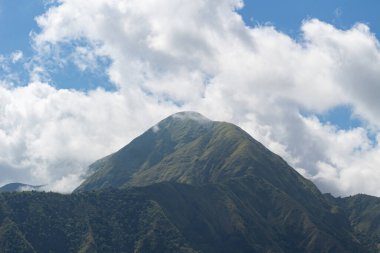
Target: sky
[[81, 79]]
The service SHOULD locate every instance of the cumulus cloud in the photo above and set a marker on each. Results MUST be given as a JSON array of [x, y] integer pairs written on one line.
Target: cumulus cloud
[[195, 55], [49, 136]]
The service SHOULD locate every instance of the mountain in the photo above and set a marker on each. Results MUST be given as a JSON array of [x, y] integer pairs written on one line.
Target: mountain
[[105, 221], [189, 148], [17, 187], [363, 212], [165, 217], [189, 184]]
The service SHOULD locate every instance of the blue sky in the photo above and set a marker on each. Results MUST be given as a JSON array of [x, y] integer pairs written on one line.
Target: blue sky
[[18, 36], [287, 15], [302, 77], [16, 24]]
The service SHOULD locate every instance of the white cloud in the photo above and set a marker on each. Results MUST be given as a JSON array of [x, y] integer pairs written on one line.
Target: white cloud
[[17, 56], [196, 55], [50, 136]]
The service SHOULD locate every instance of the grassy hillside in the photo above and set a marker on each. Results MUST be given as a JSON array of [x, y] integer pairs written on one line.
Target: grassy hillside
[[106, 221], [363, 212], [242, 215], [188, 185], [188, 148]]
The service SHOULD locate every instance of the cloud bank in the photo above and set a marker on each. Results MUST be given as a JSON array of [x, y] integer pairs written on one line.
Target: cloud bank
[[193, 55]]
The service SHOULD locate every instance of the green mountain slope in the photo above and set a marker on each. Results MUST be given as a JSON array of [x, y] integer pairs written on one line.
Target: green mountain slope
[[12, 239], [241, 215], [363, 212], [191, 149], [250, 215], [188, 148], [190, 184], [107, 221]]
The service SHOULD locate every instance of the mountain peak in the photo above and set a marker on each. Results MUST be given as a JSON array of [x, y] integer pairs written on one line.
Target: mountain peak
[[187, 147], [186, 119], [189, 115]]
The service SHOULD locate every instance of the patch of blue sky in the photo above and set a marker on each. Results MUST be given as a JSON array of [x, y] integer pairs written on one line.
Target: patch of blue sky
[[78, 67], [69, 76], [12, 71], [17, 22], [287, 16], [343, 118]]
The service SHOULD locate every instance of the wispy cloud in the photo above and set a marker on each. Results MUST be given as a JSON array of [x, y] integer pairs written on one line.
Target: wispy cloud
[[17, 56], [338, 13]]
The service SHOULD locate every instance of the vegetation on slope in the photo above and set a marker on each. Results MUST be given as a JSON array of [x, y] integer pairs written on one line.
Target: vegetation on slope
[[242, 215], [188, 185], [363, 212], [104, 221]]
